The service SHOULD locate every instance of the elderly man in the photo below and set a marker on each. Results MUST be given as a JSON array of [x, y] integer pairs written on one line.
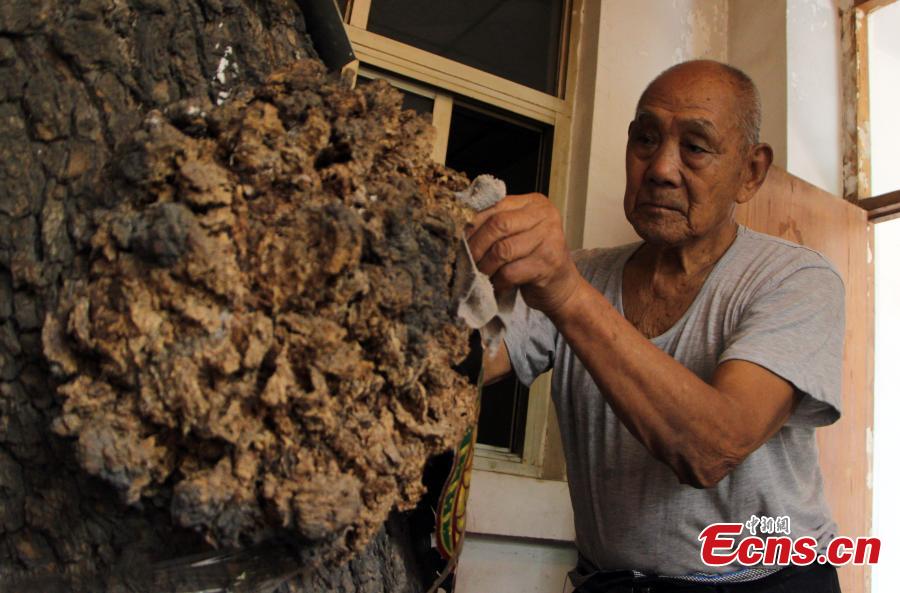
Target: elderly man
[[690, 369]]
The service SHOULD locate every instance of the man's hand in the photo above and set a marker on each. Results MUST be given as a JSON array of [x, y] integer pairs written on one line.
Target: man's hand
[[519, 242]]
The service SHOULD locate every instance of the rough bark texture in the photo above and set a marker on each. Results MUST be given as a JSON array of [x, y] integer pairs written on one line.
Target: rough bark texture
[[77, 79], [262, 338]]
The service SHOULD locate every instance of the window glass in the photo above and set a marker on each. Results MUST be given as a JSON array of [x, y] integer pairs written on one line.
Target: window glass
[[510, 147], [421, 105], [501, 421], [516, 150], [884, 96], [516, 39]]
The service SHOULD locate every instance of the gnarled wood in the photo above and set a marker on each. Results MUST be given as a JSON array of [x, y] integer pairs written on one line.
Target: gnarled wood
[[76, 79]]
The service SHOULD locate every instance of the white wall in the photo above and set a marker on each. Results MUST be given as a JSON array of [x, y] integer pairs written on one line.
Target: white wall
[[507, 565], [814, 92], [757, 44], [519, 534]]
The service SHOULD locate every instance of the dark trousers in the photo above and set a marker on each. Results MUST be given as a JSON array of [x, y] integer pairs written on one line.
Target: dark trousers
[[815, 578]]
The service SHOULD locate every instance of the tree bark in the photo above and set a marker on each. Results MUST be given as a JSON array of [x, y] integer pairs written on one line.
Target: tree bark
[[76, 78]]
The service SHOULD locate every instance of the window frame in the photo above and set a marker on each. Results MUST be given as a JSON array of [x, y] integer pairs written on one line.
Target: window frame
[[443, 78], [858, 162]]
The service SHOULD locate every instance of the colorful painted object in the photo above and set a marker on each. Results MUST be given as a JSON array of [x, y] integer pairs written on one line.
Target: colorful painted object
[[451, 518]]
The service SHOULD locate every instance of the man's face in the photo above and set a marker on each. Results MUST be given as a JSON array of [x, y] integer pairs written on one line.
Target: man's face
[[684, 158]]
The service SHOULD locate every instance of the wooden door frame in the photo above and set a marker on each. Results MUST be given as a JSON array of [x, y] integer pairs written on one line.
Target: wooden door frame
[[857, 161]]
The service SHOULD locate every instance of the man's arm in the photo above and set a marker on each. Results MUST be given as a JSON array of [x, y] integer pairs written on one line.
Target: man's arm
[[497, 366], [701, 430]]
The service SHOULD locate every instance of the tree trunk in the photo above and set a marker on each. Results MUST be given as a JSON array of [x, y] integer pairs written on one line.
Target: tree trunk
[[76, 78]]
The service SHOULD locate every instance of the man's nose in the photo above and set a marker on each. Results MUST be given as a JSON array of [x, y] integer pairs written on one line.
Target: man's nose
[[664, 167]]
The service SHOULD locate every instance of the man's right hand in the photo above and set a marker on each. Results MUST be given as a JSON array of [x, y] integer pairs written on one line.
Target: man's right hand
[[519, 242]]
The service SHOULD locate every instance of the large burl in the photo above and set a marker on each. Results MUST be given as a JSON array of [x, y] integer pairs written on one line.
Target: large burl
[[262, 340]]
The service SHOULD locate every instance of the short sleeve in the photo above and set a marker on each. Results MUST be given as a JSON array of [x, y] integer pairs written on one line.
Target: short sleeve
[[530, 340], [796, 330]]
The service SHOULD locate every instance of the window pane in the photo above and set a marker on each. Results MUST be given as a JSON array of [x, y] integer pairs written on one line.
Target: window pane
[[516, 39], [884, 96], [501, 422], [422, 105], [516, 150], [510, 147]]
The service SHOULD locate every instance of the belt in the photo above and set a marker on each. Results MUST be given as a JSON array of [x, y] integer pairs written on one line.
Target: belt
[[624, 581]]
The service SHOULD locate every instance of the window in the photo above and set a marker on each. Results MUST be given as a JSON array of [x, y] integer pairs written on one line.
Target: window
[[877, 25], [874, 60], [513, 39], [884, 96], [495, 79], [517, 150]]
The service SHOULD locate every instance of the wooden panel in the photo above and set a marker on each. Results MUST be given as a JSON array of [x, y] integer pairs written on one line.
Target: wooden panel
[[793, 209]]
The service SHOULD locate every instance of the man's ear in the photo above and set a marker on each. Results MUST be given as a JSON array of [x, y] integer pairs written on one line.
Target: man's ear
[[755, 170]]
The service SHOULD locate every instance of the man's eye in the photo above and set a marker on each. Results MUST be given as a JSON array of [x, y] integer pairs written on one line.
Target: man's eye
[[696, 149]]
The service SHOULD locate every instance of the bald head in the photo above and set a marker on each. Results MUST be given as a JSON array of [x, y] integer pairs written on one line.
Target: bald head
[[747, 104]]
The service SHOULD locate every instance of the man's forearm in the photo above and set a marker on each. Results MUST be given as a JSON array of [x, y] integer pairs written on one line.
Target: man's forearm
[[699, 430]]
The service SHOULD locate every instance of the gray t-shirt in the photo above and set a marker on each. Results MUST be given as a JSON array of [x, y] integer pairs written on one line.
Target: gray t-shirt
[[767, 301]]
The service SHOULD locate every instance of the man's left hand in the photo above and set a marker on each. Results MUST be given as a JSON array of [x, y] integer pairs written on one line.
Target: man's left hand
[[520, 242]]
